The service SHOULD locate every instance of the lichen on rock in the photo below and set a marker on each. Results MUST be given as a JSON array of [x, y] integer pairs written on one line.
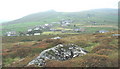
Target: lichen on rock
[[60, 52]]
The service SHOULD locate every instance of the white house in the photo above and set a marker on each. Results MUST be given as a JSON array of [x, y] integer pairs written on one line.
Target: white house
[[79, 30], [37, 28], [12, 33], [36, 33], [46, 24], [103, 31], [29, 30]]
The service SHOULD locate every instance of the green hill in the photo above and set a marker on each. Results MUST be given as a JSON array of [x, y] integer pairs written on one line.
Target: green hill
[[100, 16]]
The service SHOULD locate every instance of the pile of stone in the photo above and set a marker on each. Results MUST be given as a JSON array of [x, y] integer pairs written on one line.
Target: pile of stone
[[56, 37], [59, 52]]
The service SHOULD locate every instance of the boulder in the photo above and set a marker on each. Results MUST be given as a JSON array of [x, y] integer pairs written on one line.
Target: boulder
[[59, 52]]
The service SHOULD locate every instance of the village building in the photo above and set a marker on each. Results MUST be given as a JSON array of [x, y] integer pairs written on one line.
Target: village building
[[29, 33], [35, 31], [46, 24], [37, 28], [66, 21], [55, 30], [11, 33], [79, 30], [52, 29], [102, 31], [65, 24], [29, 30]]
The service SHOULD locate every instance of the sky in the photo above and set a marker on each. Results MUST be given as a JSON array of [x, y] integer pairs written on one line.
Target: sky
[[14, 9]]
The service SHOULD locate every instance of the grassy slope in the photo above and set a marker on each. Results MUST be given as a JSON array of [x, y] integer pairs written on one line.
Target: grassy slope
[[103, 52], [110, 17], [100, 47]]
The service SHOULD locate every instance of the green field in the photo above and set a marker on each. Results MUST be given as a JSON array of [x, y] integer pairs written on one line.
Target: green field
[[100, 16]]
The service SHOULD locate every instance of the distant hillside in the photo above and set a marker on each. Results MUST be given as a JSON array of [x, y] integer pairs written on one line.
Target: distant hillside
[[37, 17], [52, 15], [100, 16]]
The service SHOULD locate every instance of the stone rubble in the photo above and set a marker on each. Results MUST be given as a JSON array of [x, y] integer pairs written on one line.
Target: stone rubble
[[59, 52]]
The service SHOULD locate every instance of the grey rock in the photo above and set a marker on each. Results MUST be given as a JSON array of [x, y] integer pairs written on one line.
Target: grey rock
[[59, 52]]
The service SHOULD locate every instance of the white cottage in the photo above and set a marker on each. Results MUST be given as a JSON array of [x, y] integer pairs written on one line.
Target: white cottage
[[37, 28], [103, 31], [36, 33], [12, 33], [29, 30]]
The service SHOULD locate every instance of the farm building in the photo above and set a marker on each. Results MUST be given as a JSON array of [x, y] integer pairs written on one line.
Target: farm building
[[12, 33], [79, 30], [35, 31], [102, 31]]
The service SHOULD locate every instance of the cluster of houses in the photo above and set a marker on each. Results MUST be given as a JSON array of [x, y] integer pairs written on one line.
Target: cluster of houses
[[102, 31], [66, 22], [37, 30], [95, 23], [79, 30], [11, 33]]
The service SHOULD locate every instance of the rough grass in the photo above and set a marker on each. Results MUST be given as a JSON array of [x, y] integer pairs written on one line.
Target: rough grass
[[102, 50]]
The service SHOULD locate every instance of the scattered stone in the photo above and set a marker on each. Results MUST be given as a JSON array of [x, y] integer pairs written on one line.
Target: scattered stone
[[59, 52], [56, 37]]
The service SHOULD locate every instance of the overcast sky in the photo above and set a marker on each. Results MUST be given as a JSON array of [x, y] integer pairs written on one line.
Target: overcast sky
[[14, 9]]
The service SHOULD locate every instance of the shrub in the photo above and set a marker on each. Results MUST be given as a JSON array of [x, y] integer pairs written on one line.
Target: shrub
[[22, 52], [106, 40], [22, 62], [93, 60], [83, 44], [56, 42], [104, 52], [26, 40], [7, 61], [89, 60], [114, 58], [97, 48], [36, 50], [55, 63], [48, 40]]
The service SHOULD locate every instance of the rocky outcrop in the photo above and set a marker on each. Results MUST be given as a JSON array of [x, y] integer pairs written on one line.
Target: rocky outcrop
[[59, 52]]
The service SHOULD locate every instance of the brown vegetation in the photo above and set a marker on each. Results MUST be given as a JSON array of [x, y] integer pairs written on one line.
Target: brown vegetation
[[103, 50]]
